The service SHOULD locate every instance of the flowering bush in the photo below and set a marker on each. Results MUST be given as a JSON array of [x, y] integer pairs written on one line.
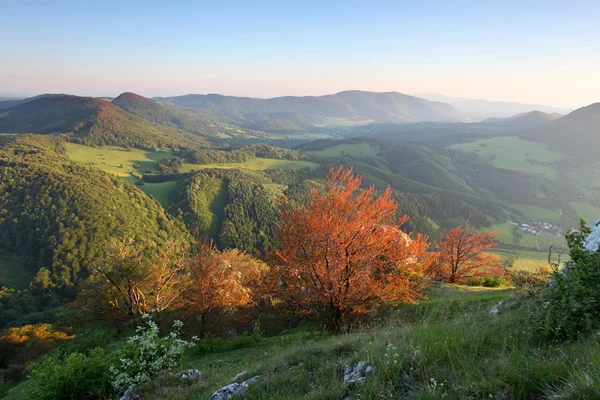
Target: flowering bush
[[149, 355]]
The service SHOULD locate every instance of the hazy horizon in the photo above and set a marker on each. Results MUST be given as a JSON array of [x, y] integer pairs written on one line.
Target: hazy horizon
[[538, 52]]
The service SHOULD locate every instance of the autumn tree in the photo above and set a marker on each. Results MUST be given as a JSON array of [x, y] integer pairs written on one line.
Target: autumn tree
[[222, 284], [463, 254], [343, 252], [130, 282]]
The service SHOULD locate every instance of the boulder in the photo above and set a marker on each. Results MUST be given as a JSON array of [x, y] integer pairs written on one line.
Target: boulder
[[226, 392], [357, 373]]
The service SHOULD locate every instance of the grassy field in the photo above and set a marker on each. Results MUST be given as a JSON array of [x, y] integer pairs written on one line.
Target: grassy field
[[542, 243], [160, 191], [116, 160], [537, 213], [363, 149], [588, 212], [513, 153], [13, 275], [253, 164], [531, 260]]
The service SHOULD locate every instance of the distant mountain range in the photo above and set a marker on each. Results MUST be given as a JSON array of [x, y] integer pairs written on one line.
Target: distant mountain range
[[344, 108], [480, 109]]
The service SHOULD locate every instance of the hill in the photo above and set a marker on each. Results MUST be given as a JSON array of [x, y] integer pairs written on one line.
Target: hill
[[483, 109], [93, 122], [342, 108], [575, 134], [161, 115], [58, 214]]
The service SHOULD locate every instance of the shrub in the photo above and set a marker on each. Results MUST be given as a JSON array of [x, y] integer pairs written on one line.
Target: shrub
[[148, 355], [76, 376], [569, 304]]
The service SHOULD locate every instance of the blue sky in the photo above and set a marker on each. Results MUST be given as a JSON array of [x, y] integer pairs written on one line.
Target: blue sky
[[536, 51]]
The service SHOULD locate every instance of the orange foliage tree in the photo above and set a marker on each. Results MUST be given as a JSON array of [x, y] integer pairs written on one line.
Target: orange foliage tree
[[343, 252], [463, 255], [222, 285]]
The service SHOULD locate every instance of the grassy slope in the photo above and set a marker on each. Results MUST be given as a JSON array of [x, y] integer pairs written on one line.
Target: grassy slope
[[513, 153], [253, 164], [363, 149], [160, 191], [448, 347], [537, 213], [111, 158], [588, 212]]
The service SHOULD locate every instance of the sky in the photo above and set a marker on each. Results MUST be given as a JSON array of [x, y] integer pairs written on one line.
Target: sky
[[545, 52]]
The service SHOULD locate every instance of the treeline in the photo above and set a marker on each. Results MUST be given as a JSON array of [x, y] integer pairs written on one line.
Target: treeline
[[208, 156]]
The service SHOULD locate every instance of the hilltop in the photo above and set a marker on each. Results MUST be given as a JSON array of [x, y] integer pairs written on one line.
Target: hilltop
[[92, 121]]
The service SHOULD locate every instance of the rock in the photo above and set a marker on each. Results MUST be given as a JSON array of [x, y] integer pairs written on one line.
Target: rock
[[592, 242], [293, 367], [357, 373], [128, 395], [191, 374], [496, 308], [226, 392], [240, 375]]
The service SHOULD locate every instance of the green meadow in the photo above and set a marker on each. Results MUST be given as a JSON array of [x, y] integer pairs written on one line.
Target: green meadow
[[361, 150], [537, 213], [160, 191], [586, 211], [253, 164], [116, 160], [509, 152]]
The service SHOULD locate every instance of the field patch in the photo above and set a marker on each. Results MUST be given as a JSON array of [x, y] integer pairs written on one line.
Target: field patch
[[358, 150], [586, 211], [537, 213], [160, 191], [253, 164], [116, 160], [513, 153]]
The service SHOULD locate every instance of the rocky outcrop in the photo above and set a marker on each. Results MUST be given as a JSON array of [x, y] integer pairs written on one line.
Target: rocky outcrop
[[593, 240], [226, 392]]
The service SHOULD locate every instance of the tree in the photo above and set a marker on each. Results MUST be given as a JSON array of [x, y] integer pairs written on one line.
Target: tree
[[129, 284], [342, 252], [222, 283], [463, 255]]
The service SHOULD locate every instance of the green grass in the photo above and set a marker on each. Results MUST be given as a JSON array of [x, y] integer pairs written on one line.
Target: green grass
[[531, 260], [506, 232], [509, 152], [160, 191], [116, 160], [537, 213], [13, 275], [447, 347], [586, 211], [359, 150], [253, 164]]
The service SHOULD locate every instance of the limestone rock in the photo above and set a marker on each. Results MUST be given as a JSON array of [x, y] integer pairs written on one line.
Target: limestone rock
[[357, 373], [226, 392]]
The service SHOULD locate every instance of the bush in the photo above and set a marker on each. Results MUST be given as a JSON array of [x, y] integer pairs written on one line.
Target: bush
[[569, 304], [76, 376], [148, 355]]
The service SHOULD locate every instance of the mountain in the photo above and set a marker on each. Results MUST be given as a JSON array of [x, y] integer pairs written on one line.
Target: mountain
[[349, 107], [92, 121], [577, 133], [483, 109], [523, 120]]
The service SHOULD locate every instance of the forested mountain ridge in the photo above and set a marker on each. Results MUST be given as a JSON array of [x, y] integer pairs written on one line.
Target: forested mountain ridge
[[354, 105], [92, 121], [152, 111]]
